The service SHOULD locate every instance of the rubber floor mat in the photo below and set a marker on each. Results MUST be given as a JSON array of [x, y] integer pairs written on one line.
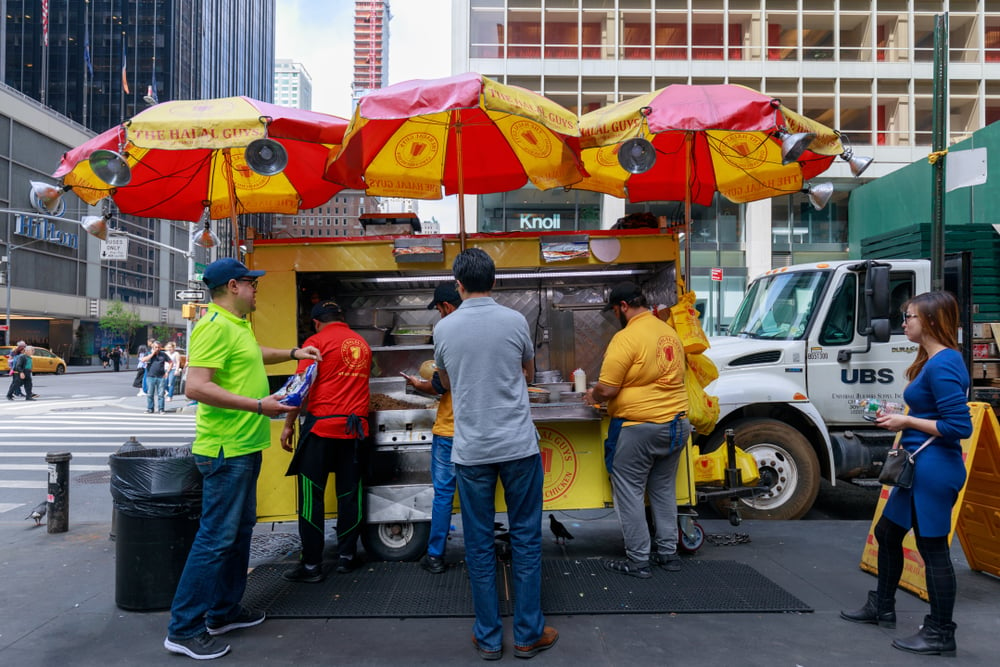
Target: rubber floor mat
[[404, 590]]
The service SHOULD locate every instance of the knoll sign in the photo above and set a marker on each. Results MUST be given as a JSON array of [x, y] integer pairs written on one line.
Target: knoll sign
[[536, 221], [44, 230]]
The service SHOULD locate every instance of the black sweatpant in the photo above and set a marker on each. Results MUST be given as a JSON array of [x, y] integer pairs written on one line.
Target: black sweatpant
[[319, 457]]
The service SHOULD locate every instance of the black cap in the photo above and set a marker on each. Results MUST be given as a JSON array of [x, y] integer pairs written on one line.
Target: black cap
[[327, 307], [444, 293], [626, 292], [221, 271]]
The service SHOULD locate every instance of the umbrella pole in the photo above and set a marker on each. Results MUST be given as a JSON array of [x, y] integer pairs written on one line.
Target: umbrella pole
[[688, 150], [231, 188], [461, 181]]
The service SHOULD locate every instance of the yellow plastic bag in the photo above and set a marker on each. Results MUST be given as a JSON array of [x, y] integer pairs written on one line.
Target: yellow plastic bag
[[685, 321], [703, 409], [703, 368]]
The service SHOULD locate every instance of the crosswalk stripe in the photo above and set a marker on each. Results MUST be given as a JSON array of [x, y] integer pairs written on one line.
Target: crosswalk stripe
[[6, 507], [41, 455], [22, 484], [45, 466]]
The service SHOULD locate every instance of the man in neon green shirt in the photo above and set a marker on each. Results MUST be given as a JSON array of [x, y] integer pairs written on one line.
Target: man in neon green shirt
[[226, 376]]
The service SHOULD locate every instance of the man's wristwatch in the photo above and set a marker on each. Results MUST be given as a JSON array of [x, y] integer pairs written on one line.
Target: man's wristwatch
[[291, 355]]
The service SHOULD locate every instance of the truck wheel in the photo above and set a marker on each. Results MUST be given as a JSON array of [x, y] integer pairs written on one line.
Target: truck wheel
[[401, 541], [786, 461]]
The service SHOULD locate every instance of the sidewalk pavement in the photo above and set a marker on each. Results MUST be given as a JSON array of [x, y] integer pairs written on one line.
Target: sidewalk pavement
[[58, 608]]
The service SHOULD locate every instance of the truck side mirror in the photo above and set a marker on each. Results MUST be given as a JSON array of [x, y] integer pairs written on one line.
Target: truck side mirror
[[880, 330], [877, 292]]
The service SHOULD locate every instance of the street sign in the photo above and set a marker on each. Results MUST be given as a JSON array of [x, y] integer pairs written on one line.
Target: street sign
[[189, 295], [717, 274], [115, 248], [3, 327]]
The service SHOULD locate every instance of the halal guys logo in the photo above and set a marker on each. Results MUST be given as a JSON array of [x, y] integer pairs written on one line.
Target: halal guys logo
[[607, 156], [352, 351], [559, 463], [743, 150], [531, 138], [243, 176], [416, 150]]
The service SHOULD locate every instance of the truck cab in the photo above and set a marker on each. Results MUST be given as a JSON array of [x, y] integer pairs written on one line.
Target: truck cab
[[806, 346]]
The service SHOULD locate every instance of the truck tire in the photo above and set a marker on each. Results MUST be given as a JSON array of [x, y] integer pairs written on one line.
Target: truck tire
[[399, 541], [786, 459]]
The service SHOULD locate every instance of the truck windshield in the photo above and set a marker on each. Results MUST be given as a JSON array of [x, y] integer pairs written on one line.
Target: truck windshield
[[780, 306]]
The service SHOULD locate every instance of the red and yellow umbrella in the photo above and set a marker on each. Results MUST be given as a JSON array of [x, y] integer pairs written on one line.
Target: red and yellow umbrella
[[466, 134], [187, 155]]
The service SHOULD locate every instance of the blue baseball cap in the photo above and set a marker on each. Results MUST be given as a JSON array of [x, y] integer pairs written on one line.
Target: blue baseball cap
[[221, 271]]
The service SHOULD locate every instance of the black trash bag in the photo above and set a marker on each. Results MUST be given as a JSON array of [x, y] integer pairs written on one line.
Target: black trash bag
[[156, 482]]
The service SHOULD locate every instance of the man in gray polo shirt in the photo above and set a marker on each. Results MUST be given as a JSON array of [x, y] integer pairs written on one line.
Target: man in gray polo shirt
[[485, 355]]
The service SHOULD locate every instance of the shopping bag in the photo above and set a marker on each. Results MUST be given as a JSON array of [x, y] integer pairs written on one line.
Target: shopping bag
[[685, 321]]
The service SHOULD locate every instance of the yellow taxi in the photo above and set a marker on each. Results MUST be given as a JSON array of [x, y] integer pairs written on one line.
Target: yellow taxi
[[42, 361]]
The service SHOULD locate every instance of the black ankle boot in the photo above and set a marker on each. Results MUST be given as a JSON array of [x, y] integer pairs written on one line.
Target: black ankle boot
[[882, 613], [933, 639]]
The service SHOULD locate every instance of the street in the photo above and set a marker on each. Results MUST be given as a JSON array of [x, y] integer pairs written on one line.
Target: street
[[89, 415]]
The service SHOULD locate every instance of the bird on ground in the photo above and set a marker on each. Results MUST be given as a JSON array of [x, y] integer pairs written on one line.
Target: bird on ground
[[38, 513], [559, 530]]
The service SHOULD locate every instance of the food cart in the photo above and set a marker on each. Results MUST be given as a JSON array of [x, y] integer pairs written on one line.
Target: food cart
[[385, 284]]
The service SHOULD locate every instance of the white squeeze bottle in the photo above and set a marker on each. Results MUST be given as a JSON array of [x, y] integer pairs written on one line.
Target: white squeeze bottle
[[579, 380]]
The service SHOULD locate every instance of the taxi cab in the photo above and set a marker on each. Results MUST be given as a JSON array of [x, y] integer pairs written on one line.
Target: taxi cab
[[42, 361]]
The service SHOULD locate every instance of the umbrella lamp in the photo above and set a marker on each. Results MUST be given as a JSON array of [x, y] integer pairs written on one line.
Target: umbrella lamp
[[857, 163], [47, 198], [793, 145], [819, 194]]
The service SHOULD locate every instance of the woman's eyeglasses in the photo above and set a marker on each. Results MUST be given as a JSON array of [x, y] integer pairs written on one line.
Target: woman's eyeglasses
[[907, 316]]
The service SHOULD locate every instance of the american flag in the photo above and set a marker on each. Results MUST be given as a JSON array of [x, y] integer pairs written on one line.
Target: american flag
[[45, 22]]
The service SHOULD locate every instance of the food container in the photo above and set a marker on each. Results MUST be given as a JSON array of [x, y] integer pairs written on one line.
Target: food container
[[556, 389], [548, 376], [369, 318], [412, 336], [538, 395], [571, 397], [371, 335]]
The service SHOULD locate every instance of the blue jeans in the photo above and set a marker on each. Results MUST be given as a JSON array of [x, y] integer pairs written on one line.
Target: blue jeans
[[215, 575], [443, 477], [154, 389], [522, 483], [170, 382]]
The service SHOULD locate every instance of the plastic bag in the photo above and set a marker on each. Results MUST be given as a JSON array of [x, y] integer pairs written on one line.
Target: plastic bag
[[156, 482], [703, 409], [685, 321], [297, 387], [703, 368]]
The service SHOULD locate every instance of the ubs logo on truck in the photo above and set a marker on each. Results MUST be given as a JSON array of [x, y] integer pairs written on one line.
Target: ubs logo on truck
[[867, 376]]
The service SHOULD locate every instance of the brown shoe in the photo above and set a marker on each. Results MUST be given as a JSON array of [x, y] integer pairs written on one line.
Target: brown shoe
[[548, 639], [487, 655]]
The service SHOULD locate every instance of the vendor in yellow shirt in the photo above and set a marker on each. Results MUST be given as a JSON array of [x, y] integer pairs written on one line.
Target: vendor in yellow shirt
[[642, 381]]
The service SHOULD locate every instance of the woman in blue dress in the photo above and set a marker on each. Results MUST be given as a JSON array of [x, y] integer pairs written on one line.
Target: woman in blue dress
[[937, 397]]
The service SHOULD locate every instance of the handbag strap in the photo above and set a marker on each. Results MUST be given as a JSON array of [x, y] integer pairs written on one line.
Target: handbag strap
[[921, 448]]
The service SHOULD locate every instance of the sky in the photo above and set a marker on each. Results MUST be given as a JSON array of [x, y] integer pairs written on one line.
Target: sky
[[319, 34]]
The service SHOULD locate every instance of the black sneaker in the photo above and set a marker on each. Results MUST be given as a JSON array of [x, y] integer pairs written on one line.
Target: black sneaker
[[304, 574], [247, 618], [348, 564], [629, 567], [669, 562], [433, 564], [199, 647]]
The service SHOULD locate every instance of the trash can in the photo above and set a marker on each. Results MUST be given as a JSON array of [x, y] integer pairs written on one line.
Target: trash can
[[157, 504]]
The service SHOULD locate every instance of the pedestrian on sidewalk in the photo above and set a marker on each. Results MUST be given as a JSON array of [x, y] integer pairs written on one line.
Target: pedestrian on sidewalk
[[116, 358], [446, 301], [485, 355], [22, 376], [228, 379], [331, 438], [938, 417], [157, 367], [11, 360], [175, 364]]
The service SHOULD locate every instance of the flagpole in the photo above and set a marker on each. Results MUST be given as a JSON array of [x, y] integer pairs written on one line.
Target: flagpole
[[86, 59]]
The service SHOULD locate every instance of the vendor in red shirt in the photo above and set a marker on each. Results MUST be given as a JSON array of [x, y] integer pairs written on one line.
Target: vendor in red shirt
[[334, 424]]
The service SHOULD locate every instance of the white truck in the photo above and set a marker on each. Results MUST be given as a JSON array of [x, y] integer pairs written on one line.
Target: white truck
[[806, 345]]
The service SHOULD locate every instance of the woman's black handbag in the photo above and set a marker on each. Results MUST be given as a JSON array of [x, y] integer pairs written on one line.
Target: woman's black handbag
[[899, 466]]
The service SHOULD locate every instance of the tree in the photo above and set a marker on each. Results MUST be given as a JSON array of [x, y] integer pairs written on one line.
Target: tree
[[119, 322], [162, 333]]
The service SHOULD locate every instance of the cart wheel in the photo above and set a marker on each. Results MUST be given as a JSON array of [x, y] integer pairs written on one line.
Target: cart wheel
[[734, 516], [692, 540], [400, 541]]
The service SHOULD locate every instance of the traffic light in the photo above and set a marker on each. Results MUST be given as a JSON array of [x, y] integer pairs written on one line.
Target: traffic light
[[188, 311]]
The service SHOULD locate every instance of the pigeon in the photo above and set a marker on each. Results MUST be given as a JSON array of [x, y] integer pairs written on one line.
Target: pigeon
[[559, 530], [38, 513]]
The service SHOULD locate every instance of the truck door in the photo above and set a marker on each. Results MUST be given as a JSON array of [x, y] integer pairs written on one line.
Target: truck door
[[878, 373]]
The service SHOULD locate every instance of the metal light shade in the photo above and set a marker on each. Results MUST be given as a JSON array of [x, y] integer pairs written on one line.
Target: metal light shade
[[205, 237], [96, 225], [819, 194], [110, 167], [47, 198], [266, 157], [636, 155], [794, 145], [857, 163]]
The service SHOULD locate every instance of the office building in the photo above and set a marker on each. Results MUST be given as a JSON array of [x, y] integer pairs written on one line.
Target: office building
[[864, 67], [292, 84]]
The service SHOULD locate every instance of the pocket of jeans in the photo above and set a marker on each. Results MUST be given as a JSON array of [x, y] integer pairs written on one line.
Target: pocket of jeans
[[203, 464]]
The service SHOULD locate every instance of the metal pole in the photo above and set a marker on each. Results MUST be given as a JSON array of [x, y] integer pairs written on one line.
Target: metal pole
[[939, 142]]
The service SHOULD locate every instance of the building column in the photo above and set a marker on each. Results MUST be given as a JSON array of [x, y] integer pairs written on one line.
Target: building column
[[757, 243]]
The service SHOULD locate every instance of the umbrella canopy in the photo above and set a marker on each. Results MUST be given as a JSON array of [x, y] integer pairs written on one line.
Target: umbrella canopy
[[465, 133], [188, 154], [713, 138]]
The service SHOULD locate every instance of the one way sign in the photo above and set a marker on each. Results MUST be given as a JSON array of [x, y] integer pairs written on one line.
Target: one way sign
[[189, 295]]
